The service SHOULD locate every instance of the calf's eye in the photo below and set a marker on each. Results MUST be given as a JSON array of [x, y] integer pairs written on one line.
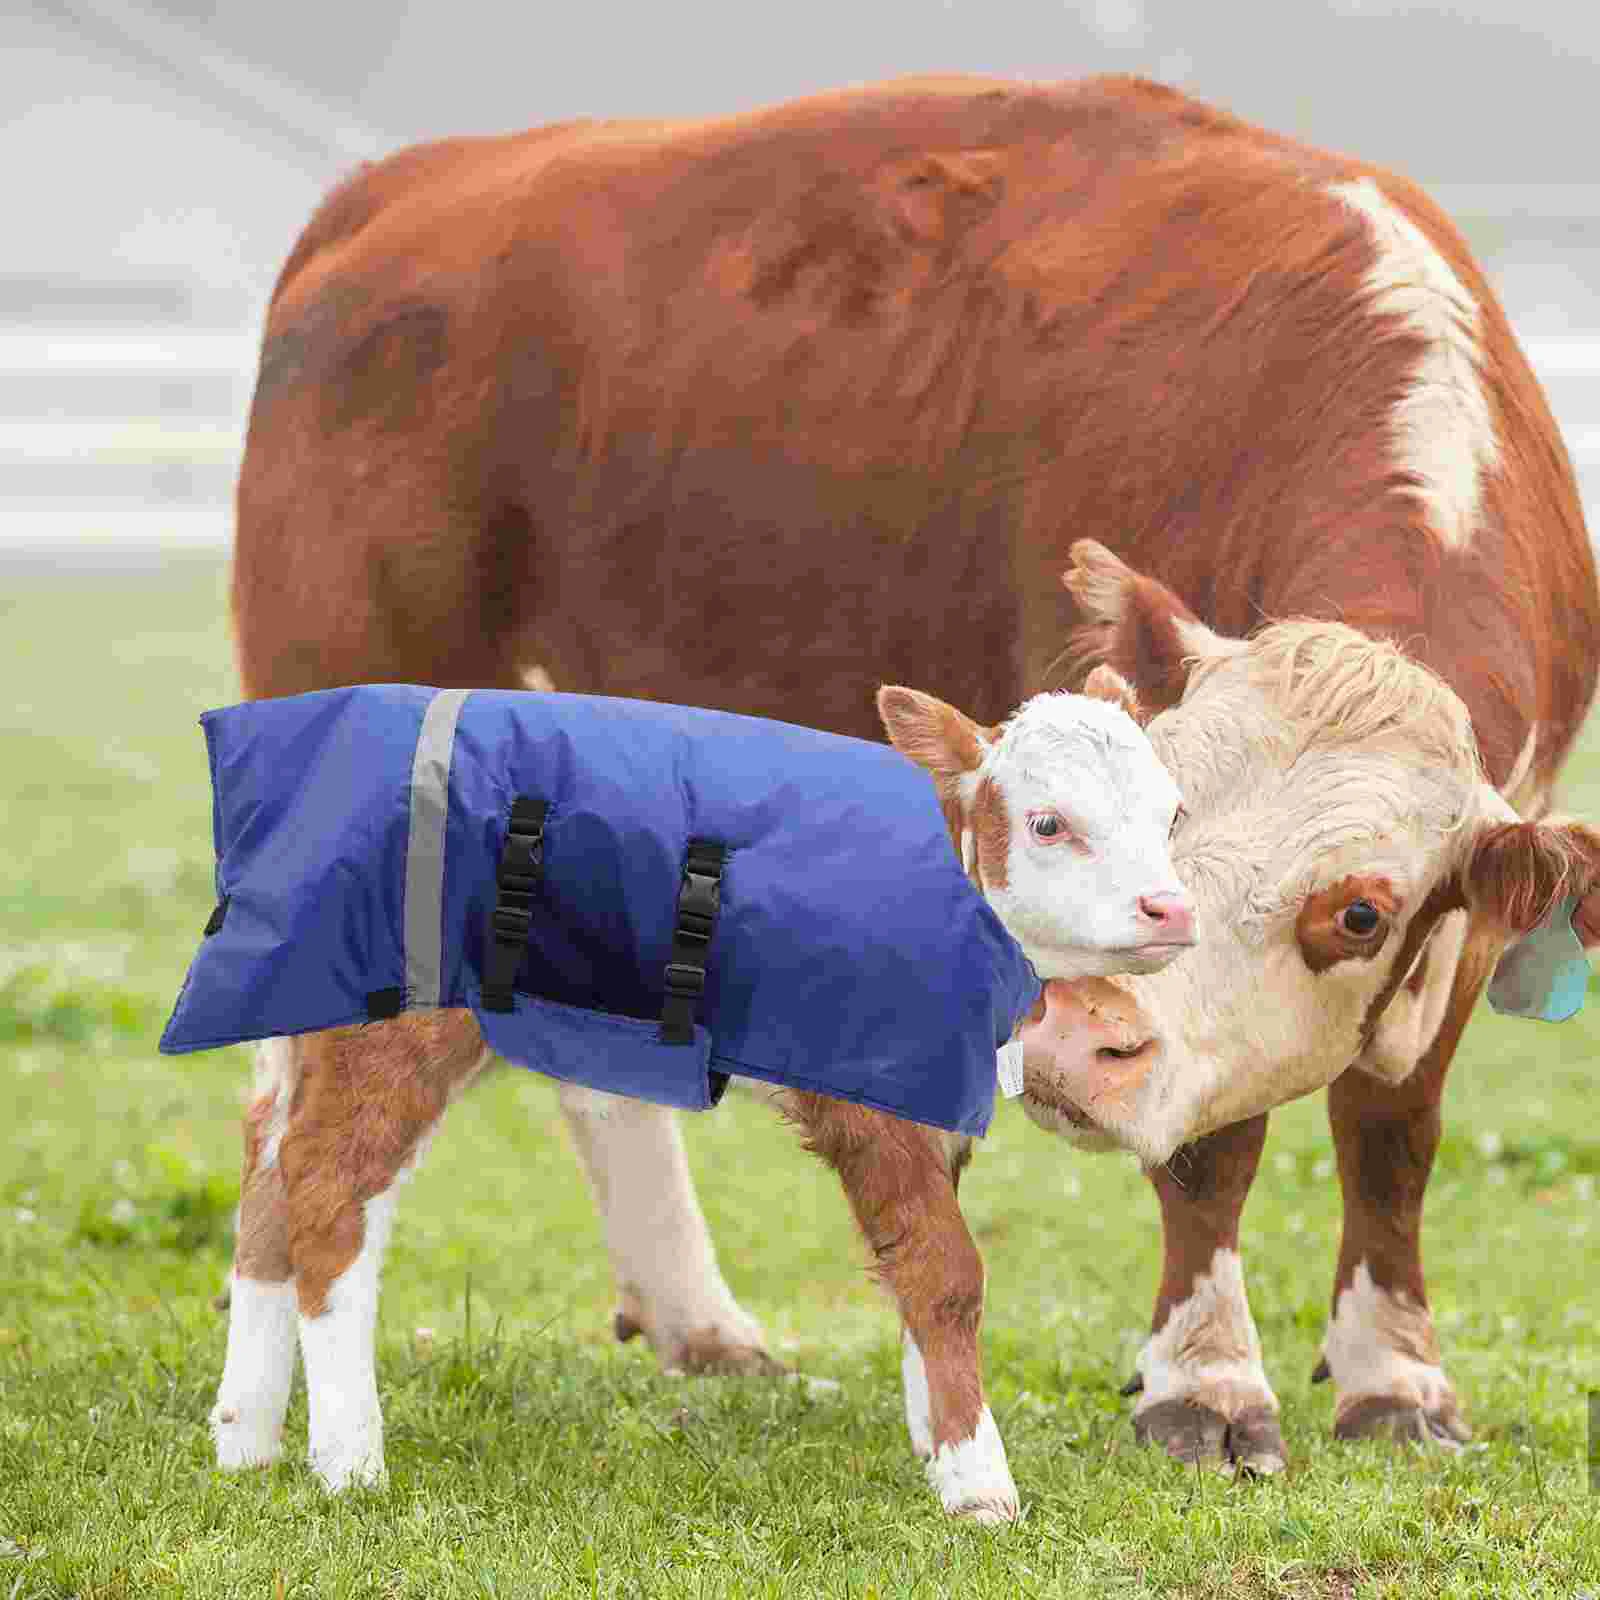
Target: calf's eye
[[1360, 917], [1047, 825]]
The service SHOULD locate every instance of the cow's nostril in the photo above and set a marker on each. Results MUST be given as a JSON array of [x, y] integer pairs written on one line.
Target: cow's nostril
[[1126, 1052]]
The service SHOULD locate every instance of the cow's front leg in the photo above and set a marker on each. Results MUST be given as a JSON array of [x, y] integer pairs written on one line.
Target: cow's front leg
[[668, 1283], [900, 1179], [247, 1420], [368, 1101], [1203, 1393], [1380, 1349]]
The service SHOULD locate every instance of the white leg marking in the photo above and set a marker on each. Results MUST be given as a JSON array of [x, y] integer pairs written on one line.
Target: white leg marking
[[274, 1077], [660, 1247], [973, 1478], [341, 1371], [1208, 1350], [1383, 1345], [1442, 427], [247, 1420], [914, 1383]]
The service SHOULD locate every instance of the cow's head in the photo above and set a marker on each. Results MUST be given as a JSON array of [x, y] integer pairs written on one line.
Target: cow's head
[[1062, 816], [1344, 853]]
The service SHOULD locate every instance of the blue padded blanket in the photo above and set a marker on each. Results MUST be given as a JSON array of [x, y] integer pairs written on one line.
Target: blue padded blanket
[[365, 866]]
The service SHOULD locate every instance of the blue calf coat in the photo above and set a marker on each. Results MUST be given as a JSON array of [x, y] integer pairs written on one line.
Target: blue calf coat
[[358, 833]]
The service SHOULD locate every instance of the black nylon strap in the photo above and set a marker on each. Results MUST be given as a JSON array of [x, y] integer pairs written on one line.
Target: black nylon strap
[[517, 880], [698, 902]]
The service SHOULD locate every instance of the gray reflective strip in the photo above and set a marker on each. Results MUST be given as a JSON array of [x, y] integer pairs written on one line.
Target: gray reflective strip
[[430, 804]]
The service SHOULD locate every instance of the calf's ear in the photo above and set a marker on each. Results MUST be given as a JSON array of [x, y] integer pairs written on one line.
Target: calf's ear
[[1135, 625], [1106, 683], [947, 742]]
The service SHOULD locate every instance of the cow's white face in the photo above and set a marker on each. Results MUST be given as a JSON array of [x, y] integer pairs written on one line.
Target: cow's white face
[[1062, 815], [1338, 830]]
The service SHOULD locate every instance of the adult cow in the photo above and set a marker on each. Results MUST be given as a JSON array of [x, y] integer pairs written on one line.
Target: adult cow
[[759, 412]]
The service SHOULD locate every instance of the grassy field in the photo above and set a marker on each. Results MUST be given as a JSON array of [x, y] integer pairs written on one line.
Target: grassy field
[[528, 1454]]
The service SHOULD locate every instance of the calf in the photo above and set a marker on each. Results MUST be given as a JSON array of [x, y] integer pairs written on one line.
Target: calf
[[1061, 815]]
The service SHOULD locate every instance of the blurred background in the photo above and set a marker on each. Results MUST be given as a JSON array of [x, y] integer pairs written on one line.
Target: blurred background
[[161, 155]]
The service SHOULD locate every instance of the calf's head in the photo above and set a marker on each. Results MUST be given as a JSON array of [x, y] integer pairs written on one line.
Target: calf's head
[[1062, 816], [1344, 853]]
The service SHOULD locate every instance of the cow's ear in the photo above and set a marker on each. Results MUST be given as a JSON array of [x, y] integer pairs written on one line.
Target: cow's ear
[[1518, 872], [1137, 626], [936, 736], [1106, 683]]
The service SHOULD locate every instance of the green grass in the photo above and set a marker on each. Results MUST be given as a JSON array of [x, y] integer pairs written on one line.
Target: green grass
[[528, 1454]]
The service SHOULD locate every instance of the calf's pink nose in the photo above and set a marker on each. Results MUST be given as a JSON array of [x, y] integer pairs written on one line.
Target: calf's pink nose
[[1170, 915]]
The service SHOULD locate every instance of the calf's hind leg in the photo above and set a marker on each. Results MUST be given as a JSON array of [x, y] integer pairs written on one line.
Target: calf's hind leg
[[900, 1179], [366, 1102], [247, 1420]]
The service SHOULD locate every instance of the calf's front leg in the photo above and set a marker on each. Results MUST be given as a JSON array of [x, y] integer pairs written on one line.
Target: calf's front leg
[[900, 1179]]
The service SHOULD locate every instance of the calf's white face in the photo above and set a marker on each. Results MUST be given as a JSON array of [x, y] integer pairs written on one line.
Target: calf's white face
[[1062, 815]]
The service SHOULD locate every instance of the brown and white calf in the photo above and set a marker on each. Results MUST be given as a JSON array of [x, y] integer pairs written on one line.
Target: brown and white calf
[[1062, 815], [757, 412]]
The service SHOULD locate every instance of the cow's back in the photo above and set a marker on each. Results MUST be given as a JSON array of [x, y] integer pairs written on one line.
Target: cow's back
[[761, 412]]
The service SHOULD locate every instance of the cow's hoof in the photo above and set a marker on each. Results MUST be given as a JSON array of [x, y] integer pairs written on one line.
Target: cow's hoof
[[710, 1353], [1379, 1417], [1249, 1445]]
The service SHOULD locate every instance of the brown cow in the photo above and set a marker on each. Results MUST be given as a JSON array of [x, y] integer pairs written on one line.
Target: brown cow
[[758, 412]]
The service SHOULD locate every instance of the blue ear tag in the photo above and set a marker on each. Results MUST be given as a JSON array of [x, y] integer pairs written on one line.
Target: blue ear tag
[[1545, 974]]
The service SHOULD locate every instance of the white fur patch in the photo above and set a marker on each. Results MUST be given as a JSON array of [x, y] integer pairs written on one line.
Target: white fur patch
[[247, 1420], [972, 1478], [274, 1077], [914, 1383], [1367, 1354], [341, 1371], [1443, 428], [1208, 1350]]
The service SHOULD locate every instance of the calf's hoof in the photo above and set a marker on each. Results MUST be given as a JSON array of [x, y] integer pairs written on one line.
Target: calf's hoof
[[1379, 1416], [972, 1477], [337, 1471], [991, 1513], [243, 1441], [1248, 1445]]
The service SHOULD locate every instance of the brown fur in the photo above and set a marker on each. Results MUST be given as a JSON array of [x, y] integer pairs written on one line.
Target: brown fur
[[262, 1248], [1202, 1191], [900, 1179]]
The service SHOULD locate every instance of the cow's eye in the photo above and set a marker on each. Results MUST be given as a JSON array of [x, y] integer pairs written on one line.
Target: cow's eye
[[1179, 817], [1047, 826], [1360, 918]]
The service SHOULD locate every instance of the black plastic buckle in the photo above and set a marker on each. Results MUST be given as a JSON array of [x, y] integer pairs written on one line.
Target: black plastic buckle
[[511, 920], [699, 900]]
